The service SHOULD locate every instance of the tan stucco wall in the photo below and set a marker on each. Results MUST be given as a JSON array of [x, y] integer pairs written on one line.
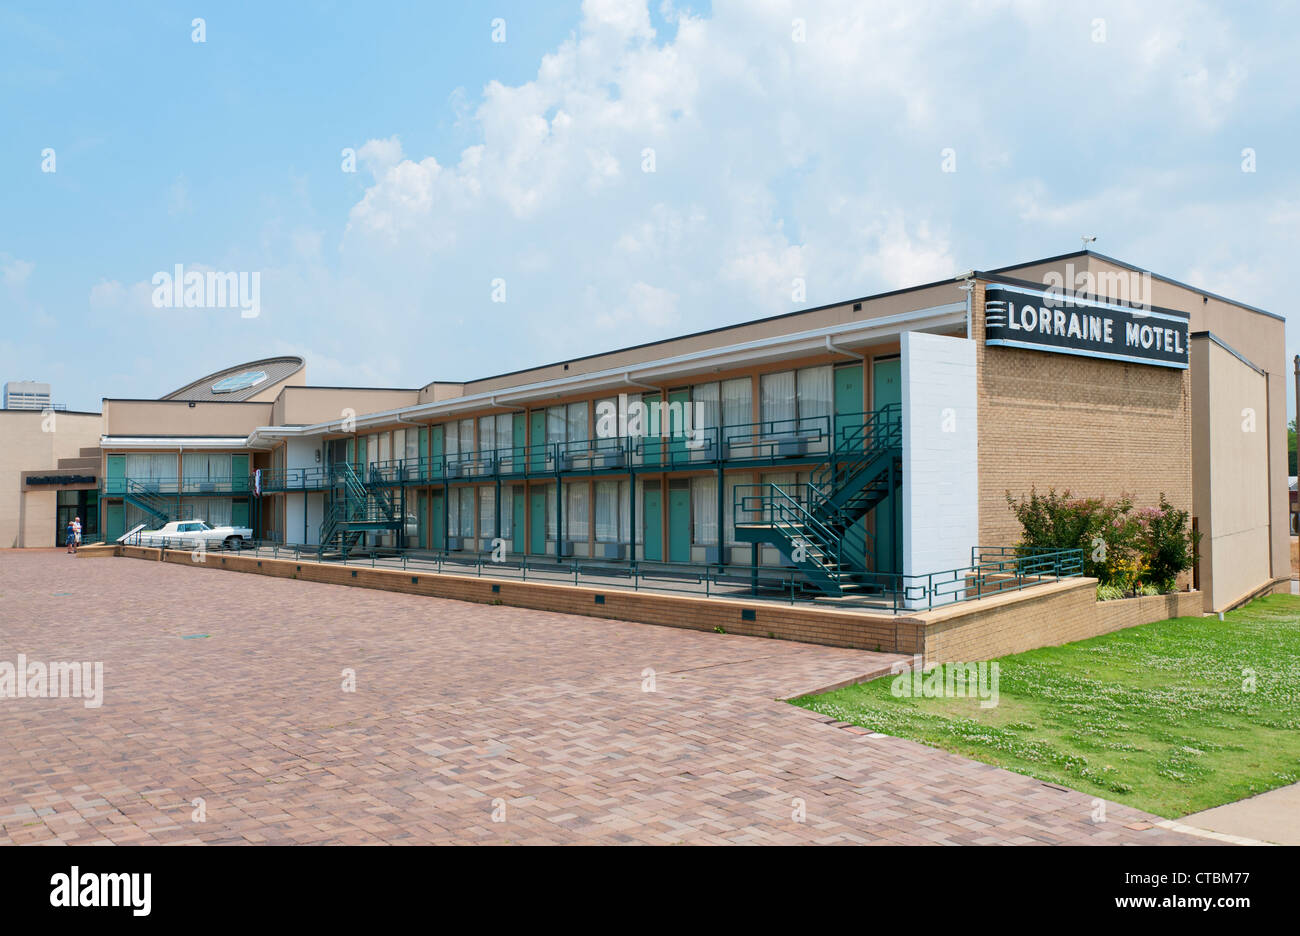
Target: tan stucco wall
[[26, 444], [179, 418], [1231, 495], [304, 406], [843, 313]]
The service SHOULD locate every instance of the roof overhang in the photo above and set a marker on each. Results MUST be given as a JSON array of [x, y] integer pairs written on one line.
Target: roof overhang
[[834, 338], [178, 443]]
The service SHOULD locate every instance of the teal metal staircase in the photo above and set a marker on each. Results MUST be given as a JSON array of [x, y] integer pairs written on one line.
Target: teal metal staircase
[[818, 526], [162, 508], [354, 508]]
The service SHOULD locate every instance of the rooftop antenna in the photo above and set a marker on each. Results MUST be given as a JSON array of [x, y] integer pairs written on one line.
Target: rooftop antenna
[[1088, 239]]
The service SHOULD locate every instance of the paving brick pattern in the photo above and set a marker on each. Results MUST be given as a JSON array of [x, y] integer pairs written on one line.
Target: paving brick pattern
[[460, 711]]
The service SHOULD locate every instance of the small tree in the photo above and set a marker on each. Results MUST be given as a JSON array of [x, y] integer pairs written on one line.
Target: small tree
[[1168, 544]]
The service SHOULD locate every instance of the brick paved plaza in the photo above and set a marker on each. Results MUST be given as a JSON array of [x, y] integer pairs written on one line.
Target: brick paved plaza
[[460, 711]]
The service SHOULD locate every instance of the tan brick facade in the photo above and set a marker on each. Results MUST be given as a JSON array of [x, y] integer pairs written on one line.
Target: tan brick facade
[[1093, 427]]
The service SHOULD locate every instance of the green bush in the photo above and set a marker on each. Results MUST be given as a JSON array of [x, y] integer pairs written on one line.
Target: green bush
[[1109, 592], [1130, 551]]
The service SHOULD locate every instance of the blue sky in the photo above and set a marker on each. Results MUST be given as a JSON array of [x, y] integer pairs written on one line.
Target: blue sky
[[790, 140]]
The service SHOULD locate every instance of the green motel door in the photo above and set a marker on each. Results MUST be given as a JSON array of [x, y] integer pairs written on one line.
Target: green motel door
[[435, 451], [679, 521], [537, 441], [537, 520], [652, 521], [848, 401], [437, 521], [887, 388], [518, 543], [115, 482]]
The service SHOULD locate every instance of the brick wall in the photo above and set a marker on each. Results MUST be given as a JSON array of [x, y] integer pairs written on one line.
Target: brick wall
[[855, 630], [1045, 615], [1094, 427]]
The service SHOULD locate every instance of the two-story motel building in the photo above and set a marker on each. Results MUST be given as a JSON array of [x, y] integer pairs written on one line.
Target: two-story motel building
[[1077, 372]]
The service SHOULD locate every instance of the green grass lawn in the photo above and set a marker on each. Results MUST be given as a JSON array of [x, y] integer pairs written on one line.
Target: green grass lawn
[[1155, 716]]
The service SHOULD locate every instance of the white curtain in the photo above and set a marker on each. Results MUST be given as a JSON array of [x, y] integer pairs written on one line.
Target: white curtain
[[466, 430], [450, 440], [640, 509], [215, 510], [777, 400], [453, 512], [556, 422], [624, 512], [385, 447], [705, 398], [550, 512], [505, 432], [704, 511], [507, 512], [576, 513], [577, 421], [151, 468], [200, 466], [487, 511], [467, 512], [487, 433], [729, 507], [605, 412], [607, 512], [816, 399]]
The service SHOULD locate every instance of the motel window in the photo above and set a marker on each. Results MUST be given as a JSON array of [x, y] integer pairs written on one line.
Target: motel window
[[729, 507], [487, 511], [465, 429], [608, 512], [487, 433], [385, 447], [550, 513], [399, 443], [200, 467], [556, 423], [411, 450], [640, 507], [151, 469], [507, 512], [467, 511], [450, 441], [799, 399], [505, 431], [576, 510], [737, 401], [704, 511], [605, 412], [372, 448], [576, 422], [217, 511]]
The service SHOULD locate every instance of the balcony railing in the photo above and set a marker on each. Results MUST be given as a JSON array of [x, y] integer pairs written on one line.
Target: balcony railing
[[172, 487]]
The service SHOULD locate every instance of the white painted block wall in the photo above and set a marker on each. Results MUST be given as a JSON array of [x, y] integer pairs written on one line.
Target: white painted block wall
[[301, 453], [940, 494]]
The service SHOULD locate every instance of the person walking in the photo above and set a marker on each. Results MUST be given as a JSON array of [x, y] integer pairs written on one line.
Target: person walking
[[69, 537], [76, 533]]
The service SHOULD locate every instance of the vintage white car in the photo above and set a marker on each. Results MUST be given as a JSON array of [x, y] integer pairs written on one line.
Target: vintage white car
[[187, 534]]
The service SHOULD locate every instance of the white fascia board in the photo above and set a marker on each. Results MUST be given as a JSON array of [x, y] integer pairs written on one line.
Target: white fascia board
[[685, 365], [173, 442]]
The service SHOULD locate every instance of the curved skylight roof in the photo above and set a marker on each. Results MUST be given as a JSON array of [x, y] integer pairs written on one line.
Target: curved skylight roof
[[239, 381]]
